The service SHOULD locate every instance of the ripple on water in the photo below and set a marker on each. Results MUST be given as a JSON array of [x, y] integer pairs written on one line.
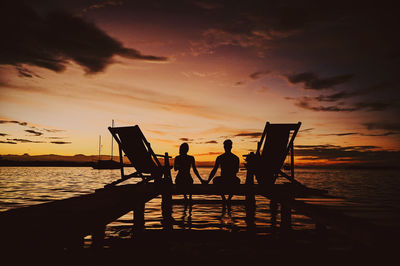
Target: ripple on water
[[24, 186]]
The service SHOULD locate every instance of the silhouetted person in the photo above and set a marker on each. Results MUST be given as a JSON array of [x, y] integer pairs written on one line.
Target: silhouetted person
[[229, 164], [182, 163]]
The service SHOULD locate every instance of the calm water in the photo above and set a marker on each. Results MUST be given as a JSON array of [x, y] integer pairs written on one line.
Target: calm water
[[24, 186]]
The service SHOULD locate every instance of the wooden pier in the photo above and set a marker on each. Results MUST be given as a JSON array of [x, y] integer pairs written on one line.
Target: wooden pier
[[63, 224]]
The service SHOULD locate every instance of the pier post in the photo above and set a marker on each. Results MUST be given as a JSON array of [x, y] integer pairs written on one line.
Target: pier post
[[138, 218], [286, 219], [166, 202], [250, 164], [98, 236], [250, 208], [274, 211], [250, 197], [286, 215], [166, 209], [167, 170], [167, 212]]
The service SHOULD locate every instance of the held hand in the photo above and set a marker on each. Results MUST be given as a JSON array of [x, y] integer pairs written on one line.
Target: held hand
[[203, 182]]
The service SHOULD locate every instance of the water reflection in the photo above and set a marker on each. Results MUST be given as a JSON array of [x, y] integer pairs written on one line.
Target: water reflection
[[250, 213], [195, 215], [186, 218], [23, 186]]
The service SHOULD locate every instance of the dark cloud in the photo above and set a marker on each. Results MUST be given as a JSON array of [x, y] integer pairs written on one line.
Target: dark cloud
[[33, 128], [208, 142], [312, 82], [33, 132], [211, 142], [186, 139], [3, 134], [26, 73], [336, 96], [13, 122], [259, 23], [315, 146], [25, 141], [208, 5], [340, 134], [258, 74], [310, 103], [7, 142], [249, 134], [368, 103], [269, 17], [53, 130], [391, 126], [372, 106], [60, 142], [330, 146], [102, 4], [366, 154], [384, 134], [307, 130], [53, 39], [356, 37], [208, 153], [389, 133]]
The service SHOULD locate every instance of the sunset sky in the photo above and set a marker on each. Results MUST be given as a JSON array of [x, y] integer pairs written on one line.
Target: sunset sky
[[201, 72]]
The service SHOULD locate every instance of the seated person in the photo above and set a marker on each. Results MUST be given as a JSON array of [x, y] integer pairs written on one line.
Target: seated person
[[182, 163], [229, 164]]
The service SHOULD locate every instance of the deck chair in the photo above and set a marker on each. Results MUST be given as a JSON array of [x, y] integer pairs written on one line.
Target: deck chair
[[134, 145], [272, 150]]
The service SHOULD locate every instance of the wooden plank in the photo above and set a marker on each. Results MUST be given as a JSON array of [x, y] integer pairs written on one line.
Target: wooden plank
[[207, 201], [276, 190], [59, 222]]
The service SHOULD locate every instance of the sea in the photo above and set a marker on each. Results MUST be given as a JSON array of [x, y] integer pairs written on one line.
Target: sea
[[25, 186]]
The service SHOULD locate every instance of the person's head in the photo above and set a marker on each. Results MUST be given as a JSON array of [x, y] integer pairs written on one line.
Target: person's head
[[184, 148], [228, 145]]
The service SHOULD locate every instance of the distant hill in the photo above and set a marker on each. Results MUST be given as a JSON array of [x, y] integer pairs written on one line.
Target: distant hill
[[88, 160], [64, 160], [50, 160]]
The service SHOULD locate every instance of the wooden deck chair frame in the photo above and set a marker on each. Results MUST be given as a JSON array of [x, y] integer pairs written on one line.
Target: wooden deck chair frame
[[289, 150], [165, 170]]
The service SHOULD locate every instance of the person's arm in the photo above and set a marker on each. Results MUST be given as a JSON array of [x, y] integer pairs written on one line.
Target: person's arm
[[195, 170], [236, 169], [214, 170], [176, 163]]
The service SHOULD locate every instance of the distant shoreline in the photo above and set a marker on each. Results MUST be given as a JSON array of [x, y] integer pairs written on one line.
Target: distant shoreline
[[9, 163], [81, 160], [46, 163]]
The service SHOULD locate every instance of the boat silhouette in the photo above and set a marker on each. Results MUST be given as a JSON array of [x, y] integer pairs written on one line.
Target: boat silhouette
[[106, 164]]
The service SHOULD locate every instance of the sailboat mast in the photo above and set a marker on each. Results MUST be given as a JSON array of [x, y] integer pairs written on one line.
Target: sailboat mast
[[99, 146], [112, 125]]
